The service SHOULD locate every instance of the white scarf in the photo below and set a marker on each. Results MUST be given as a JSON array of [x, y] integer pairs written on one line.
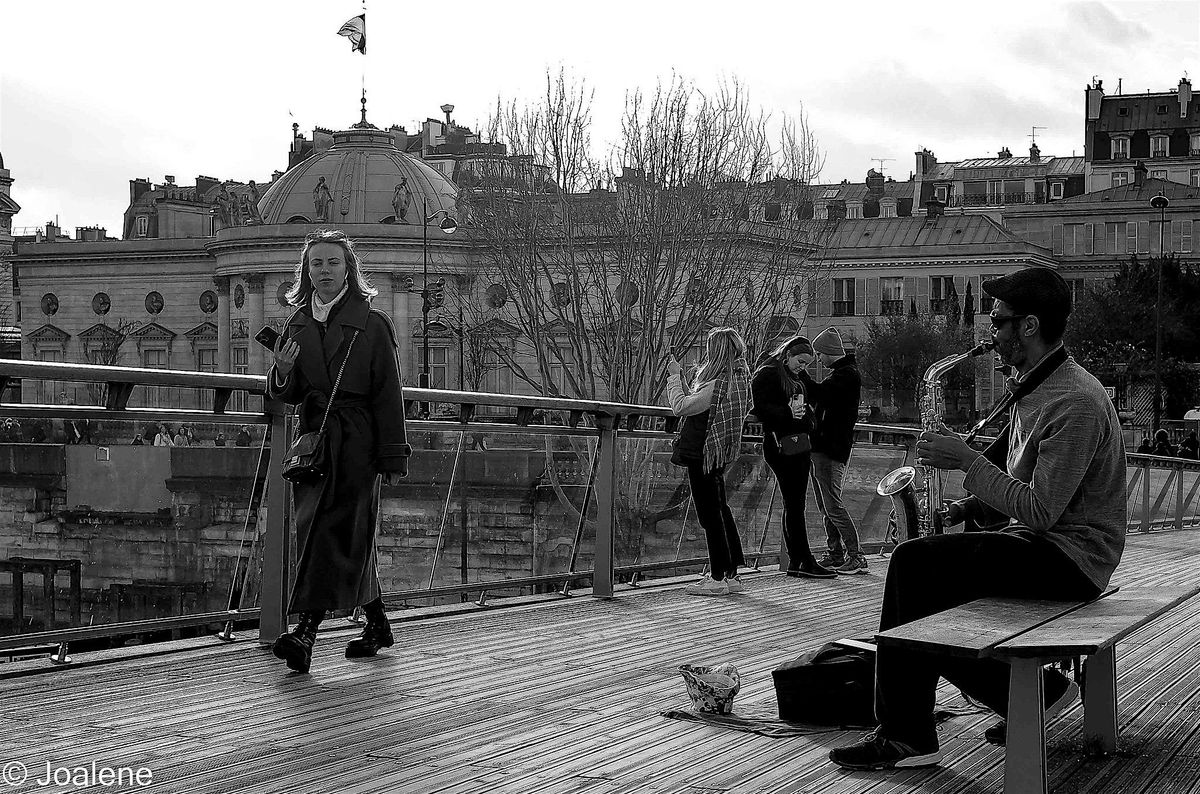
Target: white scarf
[[320, 309]]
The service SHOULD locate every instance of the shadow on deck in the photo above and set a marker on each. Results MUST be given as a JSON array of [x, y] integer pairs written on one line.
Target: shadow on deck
[[563, 696]]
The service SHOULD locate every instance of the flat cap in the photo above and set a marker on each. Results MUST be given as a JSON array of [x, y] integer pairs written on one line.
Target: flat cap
[[1033, 290]]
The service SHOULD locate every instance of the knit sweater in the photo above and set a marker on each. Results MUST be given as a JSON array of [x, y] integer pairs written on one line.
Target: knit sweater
[[1066, 471]]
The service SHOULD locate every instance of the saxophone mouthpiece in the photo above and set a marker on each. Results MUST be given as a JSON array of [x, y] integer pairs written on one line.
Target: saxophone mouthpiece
[[986, 346]]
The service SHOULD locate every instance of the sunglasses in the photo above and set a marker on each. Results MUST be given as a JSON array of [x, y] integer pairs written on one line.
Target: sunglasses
[[1000, 322]]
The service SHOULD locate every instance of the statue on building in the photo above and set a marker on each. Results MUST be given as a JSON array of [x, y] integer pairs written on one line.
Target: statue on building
[[236, 216], [401, 200], [224, 207], [250, 208], [322, 198]]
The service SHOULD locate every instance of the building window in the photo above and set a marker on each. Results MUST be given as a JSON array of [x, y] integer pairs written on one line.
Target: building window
[[1120, 148], [143, 226], [1056, 190], [854, 211], [1194, 144], [1159, 145], [1120, 178], [940, 288], [206, 359], [1112, 231], [889, 210], [438, 363], [1131, 238], [891, 295], [843, 297], [987, 301], [941, 191], [1158, 173], [1184, 235], [1195, 178], [1077, 239]]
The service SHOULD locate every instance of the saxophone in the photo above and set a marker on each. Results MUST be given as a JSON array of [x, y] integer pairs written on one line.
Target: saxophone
[[917, 506]]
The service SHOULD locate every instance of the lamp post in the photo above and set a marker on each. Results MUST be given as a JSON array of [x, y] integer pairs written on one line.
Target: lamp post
[[1160, 203], [428, 291]]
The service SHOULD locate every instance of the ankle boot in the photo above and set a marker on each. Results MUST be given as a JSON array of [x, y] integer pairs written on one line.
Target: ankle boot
[[295, 648], [376, 634]]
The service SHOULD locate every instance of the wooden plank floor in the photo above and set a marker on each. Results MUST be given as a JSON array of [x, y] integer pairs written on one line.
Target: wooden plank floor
[[566, 696]]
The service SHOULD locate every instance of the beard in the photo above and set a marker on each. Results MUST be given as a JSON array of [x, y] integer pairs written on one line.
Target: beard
[[1011, 352]]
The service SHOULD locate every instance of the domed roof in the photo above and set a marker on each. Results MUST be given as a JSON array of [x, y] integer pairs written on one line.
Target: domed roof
[[362, 170]]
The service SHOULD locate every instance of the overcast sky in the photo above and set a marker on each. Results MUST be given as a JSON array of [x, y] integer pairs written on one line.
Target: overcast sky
[[96, 92]]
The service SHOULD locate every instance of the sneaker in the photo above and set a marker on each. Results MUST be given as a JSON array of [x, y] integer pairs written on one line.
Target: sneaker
[[734, 584], [707, 587], [832, 561], [812, 570], [998, 733], [854, 564], [878, 752]]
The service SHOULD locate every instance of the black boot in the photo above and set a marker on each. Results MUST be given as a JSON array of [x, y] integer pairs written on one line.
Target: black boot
[[377, 633], [295, 648]]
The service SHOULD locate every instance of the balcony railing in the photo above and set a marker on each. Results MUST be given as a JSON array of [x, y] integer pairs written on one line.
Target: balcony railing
[[996, 199], [556, 494], [843, 308], [891, 308]]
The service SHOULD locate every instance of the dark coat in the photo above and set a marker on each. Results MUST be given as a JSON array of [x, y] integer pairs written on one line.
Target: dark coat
[[772, 405], [836, 402], [336, 516]]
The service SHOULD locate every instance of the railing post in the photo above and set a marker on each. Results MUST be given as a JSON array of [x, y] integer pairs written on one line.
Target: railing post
[[1178, 495], [606, 467], [273, 618], [1146, 496]]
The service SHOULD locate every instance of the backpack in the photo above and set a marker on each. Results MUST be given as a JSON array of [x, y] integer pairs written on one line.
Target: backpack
[[833, 685]]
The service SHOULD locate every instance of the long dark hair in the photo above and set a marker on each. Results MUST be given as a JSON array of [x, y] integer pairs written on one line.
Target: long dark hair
[[778, 357], [302, 288]]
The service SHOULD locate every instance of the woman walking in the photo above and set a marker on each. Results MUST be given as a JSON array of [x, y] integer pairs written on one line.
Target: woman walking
[[336, 332], [780, 404], [710, 437]]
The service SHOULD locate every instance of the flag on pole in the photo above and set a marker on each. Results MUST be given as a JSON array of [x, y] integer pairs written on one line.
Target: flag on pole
[[356, 30]]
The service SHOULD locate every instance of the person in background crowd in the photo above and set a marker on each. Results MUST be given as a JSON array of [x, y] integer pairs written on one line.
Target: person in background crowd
[[138, 441], [1145, 448], [1163, 445], [335, 336], [1190, 447], [242, 439], [219, 441], [710, 438], [780, 404], [163, 439], [836, 401]]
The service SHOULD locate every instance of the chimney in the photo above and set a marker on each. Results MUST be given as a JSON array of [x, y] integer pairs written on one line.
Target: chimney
[[448, 109], [169, 179], [1185, 96], [934, 208], [1094, 95], [926, 161], [1035, 154], [1003, 154], [138, 188], [51, 231], [205, 184], [874, 183], [1139, 173]]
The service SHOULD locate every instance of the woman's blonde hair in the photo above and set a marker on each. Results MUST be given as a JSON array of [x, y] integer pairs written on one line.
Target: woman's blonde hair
[[302, 286], [724, 347]]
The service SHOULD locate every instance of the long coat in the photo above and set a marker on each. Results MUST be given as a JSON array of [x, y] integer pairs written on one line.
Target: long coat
[[336, 516]]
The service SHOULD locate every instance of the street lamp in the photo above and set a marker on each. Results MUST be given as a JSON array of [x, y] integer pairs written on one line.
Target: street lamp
[[429, 291], [1160, 203]]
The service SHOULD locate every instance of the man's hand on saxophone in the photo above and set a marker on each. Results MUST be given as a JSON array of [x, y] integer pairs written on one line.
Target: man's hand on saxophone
[[944, 449]]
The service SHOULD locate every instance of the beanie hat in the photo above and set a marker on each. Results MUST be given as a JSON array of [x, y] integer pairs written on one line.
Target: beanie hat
[[829, 342]]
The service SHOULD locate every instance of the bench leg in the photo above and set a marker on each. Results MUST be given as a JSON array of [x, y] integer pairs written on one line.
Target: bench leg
[[1025, 752], [1100, 702]]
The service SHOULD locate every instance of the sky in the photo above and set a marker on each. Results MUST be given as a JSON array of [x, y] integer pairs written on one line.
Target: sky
[[94, 93]]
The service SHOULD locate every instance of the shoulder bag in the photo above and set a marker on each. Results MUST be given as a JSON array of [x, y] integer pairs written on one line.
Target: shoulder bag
[[308, 459]]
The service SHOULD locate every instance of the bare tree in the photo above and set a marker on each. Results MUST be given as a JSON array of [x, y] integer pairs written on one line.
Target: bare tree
[[593, 268]]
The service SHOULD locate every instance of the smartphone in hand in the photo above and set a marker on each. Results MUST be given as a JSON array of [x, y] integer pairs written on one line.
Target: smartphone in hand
[[268, 337]]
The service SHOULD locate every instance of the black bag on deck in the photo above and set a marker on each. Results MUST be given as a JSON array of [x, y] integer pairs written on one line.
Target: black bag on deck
[[833, 685]]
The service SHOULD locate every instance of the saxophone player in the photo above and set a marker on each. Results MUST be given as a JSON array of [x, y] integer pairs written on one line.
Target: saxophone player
[[1061, 483]]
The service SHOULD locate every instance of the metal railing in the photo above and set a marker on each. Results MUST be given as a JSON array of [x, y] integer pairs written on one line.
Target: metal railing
[[996, 199]]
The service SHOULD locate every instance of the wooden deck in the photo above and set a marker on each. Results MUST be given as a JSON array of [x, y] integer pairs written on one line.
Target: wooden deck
[[566, 696]]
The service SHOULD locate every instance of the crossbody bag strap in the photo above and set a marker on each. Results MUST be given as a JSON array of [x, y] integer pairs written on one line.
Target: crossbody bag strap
[[337, 382]]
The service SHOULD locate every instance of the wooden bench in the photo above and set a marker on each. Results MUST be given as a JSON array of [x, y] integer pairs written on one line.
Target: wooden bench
[[1029, 634]]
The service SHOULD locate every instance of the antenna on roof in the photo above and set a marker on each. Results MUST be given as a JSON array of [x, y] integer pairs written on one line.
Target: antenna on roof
[[1033, 135], [881, 161]]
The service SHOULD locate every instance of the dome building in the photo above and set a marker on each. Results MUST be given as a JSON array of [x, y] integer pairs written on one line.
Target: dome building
[[195, 301]]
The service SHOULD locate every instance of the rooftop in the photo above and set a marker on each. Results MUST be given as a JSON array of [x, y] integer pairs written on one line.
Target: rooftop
[[567, 695]]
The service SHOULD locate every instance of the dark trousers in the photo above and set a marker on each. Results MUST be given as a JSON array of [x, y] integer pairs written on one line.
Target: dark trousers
[[931, 574], [791, 471], [712, 510]]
